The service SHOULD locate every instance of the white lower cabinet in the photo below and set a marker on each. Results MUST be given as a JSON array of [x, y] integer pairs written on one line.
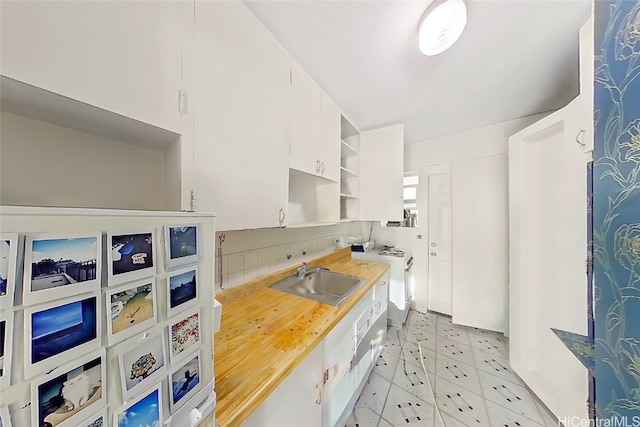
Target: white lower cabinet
[[340, 378], [297, 401], [322, 390]]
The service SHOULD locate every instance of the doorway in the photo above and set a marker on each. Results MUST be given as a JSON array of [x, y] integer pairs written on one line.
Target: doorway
[[439, 243]]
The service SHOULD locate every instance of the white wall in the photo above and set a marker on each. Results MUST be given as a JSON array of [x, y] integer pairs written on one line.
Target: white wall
[[90, 171], [456, 150]]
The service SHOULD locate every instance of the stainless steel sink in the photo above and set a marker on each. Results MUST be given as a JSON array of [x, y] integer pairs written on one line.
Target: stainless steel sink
[[321, 285]]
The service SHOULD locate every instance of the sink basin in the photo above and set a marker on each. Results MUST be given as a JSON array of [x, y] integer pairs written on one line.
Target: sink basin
[[325, 286]]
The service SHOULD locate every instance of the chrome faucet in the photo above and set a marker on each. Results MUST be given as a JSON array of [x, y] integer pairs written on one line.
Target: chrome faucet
[[302, 270]]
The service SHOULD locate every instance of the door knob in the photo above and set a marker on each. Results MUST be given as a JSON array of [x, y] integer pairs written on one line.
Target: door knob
[[433, 244], [433, 254]]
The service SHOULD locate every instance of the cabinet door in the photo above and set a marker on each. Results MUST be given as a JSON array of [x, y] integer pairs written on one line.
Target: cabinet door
[[381, 174], [341, 383], [380, 296], [124, 57], [304, 122], [330, 139], [297, 401], [240, 129], [547, 252]]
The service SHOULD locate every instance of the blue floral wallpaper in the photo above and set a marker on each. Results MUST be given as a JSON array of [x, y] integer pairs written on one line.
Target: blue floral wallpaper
[[616, 208]]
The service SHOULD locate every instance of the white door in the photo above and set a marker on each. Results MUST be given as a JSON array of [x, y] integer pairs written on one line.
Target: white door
[[547, 252], [440, 243], [481, 242]]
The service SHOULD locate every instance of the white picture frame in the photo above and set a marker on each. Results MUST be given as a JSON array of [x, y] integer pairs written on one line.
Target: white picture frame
[[91, 421], [79, 318], [79, 388], [8, 266], [61, 265], [182, 290], [144, 410], [184, 335], [5, 417], [131, 255], [142, 363], [131, 309], [185, 381], [6, 348], [182, 245]]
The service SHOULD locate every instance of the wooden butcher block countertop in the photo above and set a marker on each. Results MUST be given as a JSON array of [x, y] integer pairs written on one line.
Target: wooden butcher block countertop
[[265, 334]]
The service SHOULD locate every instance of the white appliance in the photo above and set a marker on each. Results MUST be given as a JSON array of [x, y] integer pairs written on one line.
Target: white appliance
[[400, 262]]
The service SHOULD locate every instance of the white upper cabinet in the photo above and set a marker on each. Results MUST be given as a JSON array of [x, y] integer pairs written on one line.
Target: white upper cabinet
[[124, 57], [304, 121], [381, 174], [240, 123], [330, 139], [314, 128]]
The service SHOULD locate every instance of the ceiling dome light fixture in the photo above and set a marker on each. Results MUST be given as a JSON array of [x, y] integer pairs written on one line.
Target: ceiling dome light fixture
[[441, 26]]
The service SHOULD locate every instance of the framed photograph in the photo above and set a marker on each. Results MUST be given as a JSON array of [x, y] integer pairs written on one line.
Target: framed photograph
[[184, 336], [60, 331], [182, 245], [184, 382], [8, 265], [58, 266], [144, 411], [133, 309], [131, 256], [182, 291], [6, 343], [5, 417], [66, 396], [142, 364], [96, 420]]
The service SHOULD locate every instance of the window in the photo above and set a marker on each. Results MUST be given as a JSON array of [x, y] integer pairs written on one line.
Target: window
[[410, 183], [410, 202]]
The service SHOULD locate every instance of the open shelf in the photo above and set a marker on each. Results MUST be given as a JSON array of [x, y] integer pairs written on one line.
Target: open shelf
[[117, 157], [349, 207], [308, 200], [348, 171], [29, 101], [346, 150]]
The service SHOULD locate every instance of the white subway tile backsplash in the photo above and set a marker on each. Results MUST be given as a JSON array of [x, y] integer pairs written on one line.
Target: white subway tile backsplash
[[236, 263], [244, 266], [234, 279], [251, 261], [225, 264], [250, 273], [276, 255], [263, 262]]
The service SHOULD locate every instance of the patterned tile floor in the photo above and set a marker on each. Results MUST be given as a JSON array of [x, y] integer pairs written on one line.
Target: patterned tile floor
[[469, 373]]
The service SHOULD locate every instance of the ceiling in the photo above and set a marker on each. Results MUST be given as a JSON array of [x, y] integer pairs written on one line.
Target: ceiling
[[515, 58]]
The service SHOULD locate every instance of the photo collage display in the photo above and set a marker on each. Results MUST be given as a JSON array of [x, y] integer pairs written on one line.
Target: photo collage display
[[66, 297]]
